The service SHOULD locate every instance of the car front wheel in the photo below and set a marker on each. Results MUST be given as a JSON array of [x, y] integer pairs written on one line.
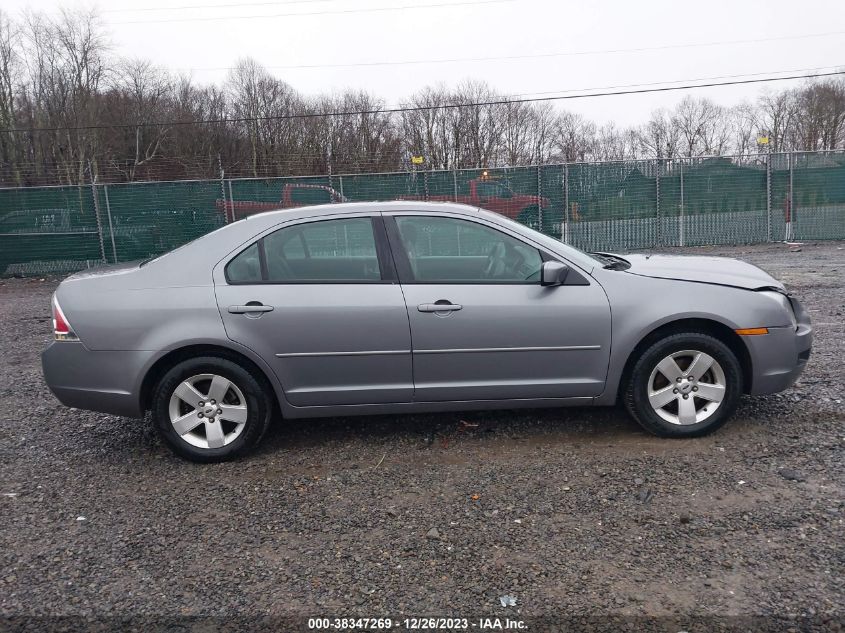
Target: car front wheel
[[210, 409], [684, 385]]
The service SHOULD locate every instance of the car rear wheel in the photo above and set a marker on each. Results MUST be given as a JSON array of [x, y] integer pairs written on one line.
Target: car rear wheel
[[685, 385], [210, 409]]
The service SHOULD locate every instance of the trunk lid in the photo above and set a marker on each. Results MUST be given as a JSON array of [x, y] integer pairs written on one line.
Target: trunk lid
[[105, 271]]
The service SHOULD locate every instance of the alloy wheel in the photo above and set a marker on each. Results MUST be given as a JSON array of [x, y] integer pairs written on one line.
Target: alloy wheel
[[686, 387], [208, 411]]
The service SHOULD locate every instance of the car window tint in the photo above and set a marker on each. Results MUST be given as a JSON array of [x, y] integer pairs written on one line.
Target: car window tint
[[449, 250], [246, 267], [328, 250]]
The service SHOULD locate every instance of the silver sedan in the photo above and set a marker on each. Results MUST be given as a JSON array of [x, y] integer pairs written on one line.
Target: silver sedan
[[368, 308]]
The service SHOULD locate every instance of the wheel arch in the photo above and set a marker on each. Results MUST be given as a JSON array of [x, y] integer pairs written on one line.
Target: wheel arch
[[163, 364], [714, 328]]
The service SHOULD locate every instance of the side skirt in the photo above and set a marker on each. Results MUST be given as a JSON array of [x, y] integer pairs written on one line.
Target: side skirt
[[429, 407]]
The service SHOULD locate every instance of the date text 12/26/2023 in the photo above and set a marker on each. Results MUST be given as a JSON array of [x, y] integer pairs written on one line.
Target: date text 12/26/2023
[[416, 624]]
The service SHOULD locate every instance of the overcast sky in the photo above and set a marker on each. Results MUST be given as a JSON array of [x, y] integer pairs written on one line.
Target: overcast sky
[[587, 44]]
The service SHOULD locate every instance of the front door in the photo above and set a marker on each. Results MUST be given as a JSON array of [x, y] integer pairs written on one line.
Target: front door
[[320, 303], [483, 328]]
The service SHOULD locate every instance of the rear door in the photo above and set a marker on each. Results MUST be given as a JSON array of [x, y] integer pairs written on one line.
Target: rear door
[[483, 328], [320, 302]]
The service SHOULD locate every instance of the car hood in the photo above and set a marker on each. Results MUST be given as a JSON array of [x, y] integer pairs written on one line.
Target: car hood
[[723, 271]]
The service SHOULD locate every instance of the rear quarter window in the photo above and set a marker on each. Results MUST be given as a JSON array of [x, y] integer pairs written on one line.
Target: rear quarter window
[[245, 267]]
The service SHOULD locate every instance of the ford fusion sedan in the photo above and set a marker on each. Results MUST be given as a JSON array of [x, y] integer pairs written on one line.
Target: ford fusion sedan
[[400, 307]]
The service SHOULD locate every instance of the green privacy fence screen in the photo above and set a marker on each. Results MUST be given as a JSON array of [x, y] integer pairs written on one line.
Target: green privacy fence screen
[[614, 206]]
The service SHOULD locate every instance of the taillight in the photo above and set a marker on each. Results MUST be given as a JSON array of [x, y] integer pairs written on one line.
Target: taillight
[[61, 328]]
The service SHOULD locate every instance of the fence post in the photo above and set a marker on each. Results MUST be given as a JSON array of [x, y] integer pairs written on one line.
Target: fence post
[[97, 212], [539, 198], [790, 234], [223, 192], [111, 226], [565, 232], [769, 197], [231, 199], [659, 235], [455, 182], [681, 214], [328, 166], [340, 184]]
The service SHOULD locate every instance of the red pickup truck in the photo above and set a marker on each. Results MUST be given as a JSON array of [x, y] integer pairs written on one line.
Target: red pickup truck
[[483, 192], [293, 195], [495, 196]]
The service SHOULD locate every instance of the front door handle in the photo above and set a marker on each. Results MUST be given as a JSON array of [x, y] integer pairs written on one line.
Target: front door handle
[[439, 307], [250, 308]]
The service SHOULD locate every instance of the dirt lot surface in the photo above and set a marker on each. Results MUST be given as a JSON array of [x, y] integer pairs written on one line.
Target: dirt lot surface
[[577, 514]]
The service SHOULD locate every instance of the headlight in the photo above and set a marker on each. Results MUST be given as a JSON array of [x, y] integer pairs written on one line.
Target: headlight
[[784, 302]]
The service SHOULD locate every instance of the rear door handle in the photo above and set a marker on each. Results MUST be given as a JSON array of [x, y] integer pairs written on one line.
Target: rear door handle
[[439, 307], [250, 309]]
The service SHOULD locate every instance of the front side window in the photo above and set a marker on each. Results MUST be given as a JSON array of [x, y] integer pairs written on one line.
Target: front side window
[[322, 252], [449, 250]]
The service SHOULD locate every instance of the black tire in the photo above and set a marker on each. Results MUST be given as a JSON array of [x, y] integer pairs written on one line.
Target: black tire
[[637, 388], [257, 398]]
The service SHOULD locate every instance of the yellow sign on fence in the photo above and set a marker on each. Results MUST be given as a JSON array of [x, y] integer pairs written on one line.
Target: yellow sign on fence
[[417, 160]]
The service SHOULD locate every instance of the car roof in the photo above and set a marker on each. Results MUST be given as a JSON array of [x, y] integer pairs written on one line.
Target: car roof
[[318, 210]]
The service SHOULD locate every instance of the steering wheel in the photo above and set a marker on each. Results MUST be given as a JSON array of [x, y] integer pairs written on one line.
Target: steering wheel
[[495, 261]]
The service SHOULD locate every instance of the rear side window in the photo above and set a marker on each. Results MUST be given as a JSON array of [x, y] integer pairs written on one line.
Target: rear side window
[[327, 251]]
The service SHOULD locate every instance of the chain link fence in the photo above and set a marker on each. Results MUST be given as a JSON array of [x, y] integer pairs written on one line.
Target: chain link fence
[[615, 206]]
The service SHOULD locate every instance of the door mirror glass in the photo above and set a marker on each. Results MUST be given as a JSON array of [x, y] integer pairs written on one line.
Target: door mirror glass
[[553, 273]]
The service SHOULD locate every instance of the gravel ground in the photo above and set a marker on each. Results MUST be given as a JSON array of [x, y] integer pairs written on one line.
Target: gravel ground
[[577, 514]]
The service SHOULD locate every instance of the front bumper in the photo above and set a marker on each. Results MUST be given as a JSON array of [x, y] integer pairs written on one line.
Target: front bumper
[[781, 356], [108, 382]]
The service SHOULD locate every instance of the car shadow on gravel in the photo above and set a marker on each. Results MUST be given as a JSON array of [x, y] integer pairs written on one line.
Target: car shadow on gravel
[[114, 439], [576, 427]]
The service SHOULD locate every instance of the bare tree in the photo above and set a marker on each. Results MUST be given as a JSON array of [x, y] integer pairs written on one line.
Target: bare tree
[[574, 138], [10, 70], [130, 120], [613, 144], [742, 123], [143, 95], [775, 115], [425, 129], [659, 137], [820, 116], [702, 127], [476, 128]]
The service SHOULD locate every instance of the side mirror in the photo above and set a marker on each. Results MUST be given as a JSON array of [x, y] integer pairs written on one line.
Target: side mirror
[[553, 273]]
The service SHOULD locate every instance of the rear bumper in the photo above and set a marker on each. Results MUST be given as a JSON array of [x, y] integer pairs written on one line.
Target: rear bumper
[[108, 382], [779, 357]]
